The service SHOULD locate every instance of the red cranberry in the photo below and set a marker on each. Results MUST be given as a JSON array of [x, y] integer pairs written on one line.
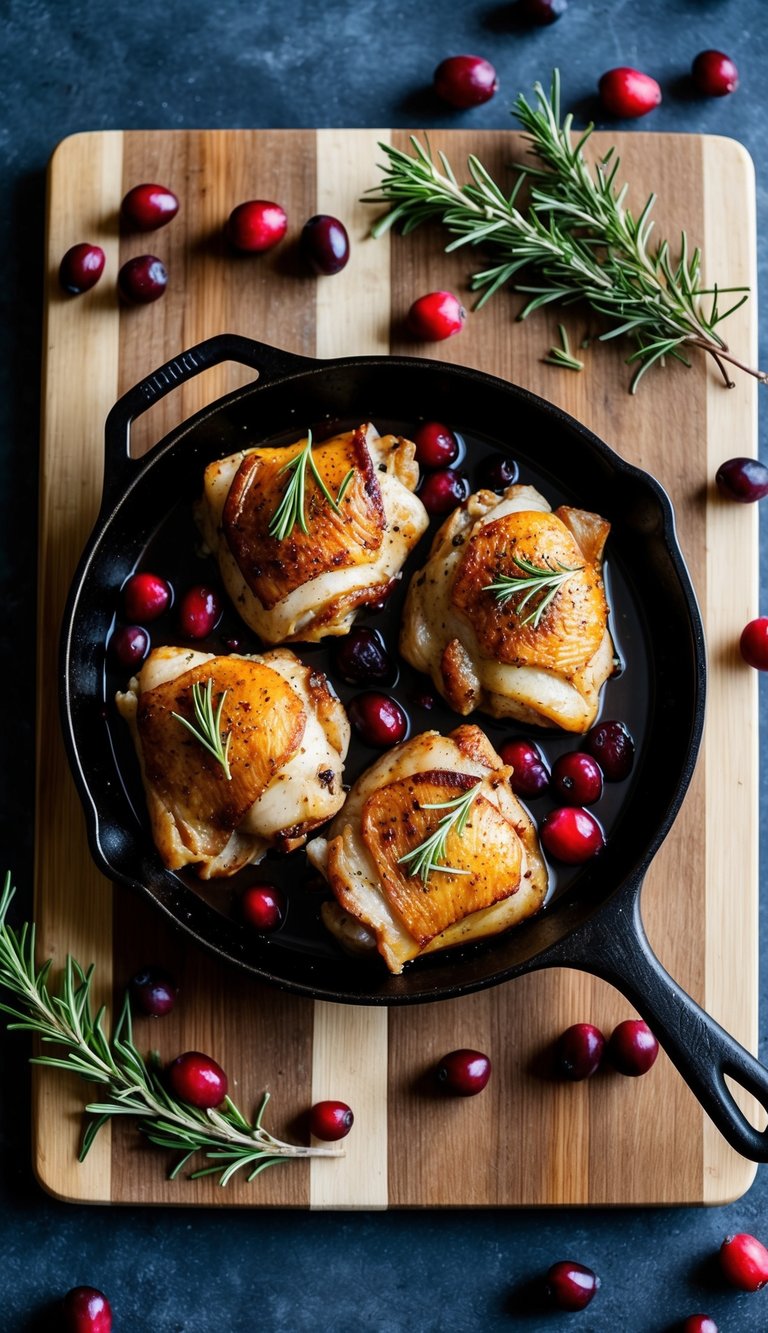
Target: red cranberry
[[577, 778], [199, 612], [197, 1079], [612, 746], [754, 643], [699, 1323], [378, 719], [81, 268], [464, 81], [571, 1286], [742, 479], [464, 1073], [436, 445], [330, 1120], [531, 775], [325, 244], [142, 280], [442, 491], [436, 316], [579, 1051], [714, 74], [153, 992], [542, 11], [86, 1310], [496, 473], [572, 835], [146, 596], [263, 907], [360, 658], [147, 207], [256, 226], [129, 645], [628, 93], [232, 643], [632, 1048], [744, 1261]]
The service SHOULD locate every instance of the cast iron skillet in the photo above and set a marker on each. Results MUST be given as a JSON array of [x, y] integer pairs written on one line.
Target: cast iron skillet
[[593, 921]]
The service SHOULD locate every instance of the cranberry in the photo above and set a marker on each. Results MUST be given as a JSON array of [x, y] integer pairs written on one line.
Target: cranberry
[[147, 207], [577, 778], [86, 1310], [543, 11], [699, 1323], [572, 835], [146, 596], [81, 268], [142, 280], [378, 719], [197, 1079], [232, 643], [714, 74], [330, 1120], [263, 907], [153, 992], [256, 226], [129, 645], [531, 775], [496, 473], [754, 643], [442, 491], [465, 81], [360, 658], [464, 1073], [571, 1286], [632, 1048], [436, 445], [199, 612], [436, 316], [744, 1261], [325, 244], [579, 1051], [628, 93], [612, 746], [742, 479]]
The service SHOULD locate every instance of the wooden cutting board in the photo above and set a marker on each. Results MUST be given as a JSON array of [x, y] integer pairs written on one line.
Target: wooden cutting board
[[525, 1140]]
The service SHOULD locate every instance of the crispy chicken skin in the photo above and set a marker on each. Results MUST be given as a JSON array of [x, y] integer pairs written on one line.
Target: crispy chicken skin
[[475, 647], [310, 585], [289, 738], [503, 879]]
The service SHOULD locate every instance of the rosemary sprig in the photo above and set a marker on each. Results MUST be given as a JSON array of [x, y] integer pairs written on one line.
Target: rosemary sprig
[[563, 356], [131, 1086], [290, 511], [540, 581], [574, 238], [208, 729], [429, 855]]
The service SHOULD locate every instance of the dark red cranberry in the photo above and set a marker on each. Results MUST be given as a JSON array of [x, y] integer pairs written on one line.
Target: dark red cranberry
[[146, 596], [572, 835], [81, 268], [232, 643], [86, 1310], [571, 1286], [577, 778], [142, 280], [632, 1048], [628, 93], [744, 1261], [436, 445], [197, 1079], [714, 74], [742, 479], [129, 645], [424, 699], [263, 907], [754, 643], [330, 1120], [463, 1073], [542, 11], [256, 226], [531, 775], [153, 992], [579, 1051], [612, 746], [199, 612], [147, 207], [436, 316], [325, 244], [377, 718], [496, 473], [699, 1323], [360, 658], [464, 81], [442, 491]]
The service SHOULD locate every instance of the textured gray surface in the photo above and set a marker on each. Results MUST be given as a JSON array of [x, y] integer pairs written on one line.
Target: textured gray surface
[[74, 66]]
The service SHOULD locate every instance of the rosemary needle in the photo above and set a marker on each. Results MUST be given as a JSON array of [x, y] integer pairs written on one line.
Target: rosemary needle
[[429, 855], [290, 511], [563, 356], [536, 581], [208, 728]]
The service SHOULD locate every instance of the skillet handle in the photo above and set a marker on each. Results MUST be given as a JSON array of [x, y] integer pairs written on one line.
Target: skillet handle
[[614, 946]]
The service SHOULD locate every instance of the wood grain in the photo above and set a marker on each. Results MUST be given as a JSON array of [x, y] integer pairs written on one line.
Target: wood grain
[[526, 1140]]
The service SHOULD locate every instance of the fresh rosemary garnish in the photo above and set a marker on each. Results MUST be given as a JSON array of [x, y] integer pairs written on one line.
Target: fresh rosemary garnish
[[563, 356], [208, 729], [574, 238], [543, 580], [290, 511], [131, 1086], [429, 854]]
